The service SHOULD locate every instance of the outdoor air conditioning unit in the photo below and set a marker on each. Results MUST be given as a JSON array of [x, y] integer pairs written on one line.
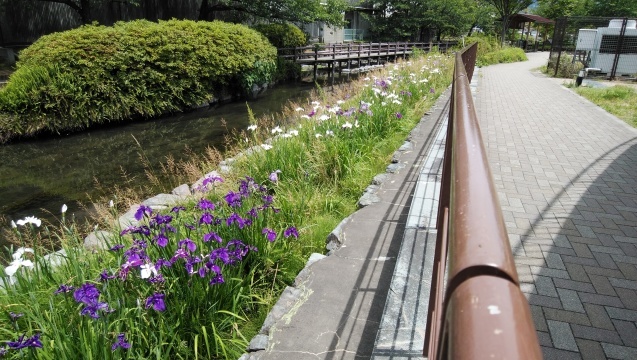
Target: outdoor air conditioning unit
[[586, 39], [601, 45]]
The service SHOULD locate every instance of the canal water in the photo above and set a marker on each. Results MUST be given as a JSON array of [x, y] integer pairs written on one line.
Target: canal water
[[38, 176]]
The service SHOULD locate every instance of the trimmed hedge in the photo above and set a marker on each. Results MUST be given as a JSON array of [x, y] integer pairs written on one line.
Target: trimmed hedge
[[96, 74], [282, 35]]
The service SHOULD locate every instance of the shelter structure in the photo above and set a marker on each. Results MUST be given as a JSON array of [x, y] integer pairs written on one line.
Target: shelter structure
[[523, 22]]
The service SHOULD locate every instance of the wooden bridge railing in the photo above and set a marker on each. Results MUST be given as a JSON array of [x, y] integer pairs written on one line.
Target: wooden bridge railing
[[480, 312], [327, 52]]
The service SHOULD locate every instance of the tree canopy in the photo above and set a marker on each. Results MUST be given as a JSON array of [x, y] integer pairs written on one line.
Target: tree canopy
[[554, 9], [411, 19], [615, 8], [300, 11], [506, 8]]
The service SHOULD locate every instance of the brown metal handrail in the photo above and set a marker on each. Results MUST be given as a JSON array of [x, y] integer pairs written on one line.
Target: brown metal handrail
[[480, 312]]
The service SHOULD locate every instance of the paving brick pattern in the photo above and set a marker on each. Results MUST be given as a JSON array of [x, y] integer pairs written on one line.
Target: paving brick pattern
[[566, 176]]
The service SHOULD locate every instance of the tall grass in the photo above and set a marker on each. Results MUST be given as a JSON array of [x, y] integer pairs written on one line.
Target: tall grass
[[196, 281], [620, 101]]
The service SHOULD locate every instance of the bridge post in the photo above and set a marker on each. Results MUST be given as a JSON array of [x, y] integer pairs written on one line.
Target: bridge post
[[349, 49], [315, 61]]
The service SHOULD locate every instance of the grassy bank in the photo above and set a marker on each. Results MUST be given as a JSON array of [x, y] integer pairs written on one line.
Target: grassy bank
[[619, 100], [196, 281]]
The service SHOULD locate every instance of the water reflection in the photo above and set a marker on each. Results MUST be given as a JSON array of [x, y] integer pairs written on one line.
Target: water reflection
[[37, 177]]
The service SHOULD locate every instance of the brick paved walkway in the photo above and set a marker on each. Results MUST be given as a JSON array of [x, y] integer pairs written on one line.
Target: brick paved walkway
[[566, 174]]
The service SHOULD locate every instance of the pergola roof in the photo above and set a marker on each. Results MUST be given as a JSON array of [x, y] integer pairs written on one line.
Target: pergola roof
[[517, 20]]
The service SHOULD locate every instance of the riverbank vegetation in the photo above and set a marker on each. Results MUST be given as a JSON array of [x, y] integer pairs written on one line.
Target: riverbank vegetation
[[284, 36], [490, 51], [97, 74], [196, 281]]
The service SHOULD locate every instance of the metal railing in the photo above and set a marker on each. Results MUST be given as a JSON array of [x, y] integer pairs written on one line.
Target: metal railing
[[481, 311]]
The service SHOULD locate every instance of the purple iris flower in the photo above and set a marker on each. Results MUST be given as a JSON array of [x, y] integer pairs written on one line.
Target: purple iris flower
[[399, 115], [140, 244], [120, 342], [133, 260], [217, 279], [253, 212], [117, 247], [381, 83], [432, 91], [291, 231], [206, 218], [156, 301], [24, 342], [267, 200], [159, 219], [143, 230], [349, 112], [86, 294], [161, 240], [92, 309], [190, 245], [179, 254], [221, 254], [15, 316], [210, 180], [142, 211], [274, 176], [159, 279], [205, 204], [162, 263], [270, 234], [177, 209], [238, 250], [190, 264], [235, 218], [233, 199], [104, 276], [212, 236], [63, 289]]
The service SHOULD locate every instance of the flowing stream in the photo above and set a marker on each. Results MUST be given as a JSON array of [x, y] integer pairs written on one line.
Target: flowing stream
[[38, 176]]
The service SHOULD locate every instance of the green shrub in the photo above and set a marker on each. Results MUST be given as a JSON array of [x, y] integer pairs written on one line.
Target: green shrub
[[486, 44], [282, 35], [490, 51], [96, 74], [567, 68], [505, 55]]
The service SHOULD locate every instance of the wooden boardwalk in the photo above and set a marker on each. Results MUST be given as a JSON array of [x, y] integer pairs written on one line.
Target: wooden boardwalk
[[352, 57]]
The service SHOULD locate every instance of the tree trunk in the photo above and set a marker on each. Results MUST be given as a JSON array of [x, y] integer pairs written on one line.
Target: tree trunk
[[85, 11], [505, 25], [204, 10], [471, 29]]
